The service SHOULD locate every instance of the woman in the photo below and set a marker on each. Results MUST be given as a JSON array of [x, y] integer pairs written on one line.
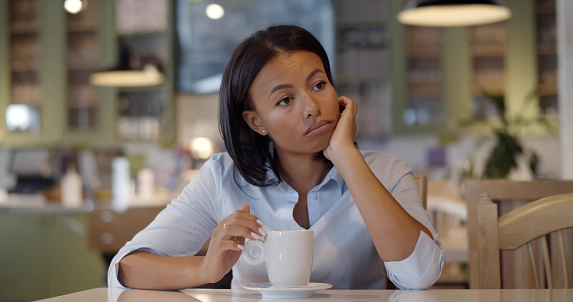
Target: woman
[[291, 164]]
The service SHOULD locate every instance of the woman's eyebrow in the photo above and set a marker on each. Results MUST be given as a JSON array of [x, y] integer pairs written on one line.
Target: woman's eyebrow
[[313, 73], [279, 87], [284, 86]]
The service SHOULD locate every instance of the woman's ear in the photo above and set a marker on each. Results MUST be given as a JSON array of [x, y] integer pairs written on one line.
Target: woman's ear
[[254, 122]]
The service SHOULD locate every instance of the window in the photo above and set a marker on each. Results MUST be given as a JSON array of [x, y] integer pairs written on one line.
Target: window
[[205, 45]]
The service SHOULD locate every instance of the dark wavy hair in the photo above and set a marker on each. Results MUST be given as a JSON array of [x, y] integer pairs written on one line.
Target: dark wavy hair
[[249, 150]]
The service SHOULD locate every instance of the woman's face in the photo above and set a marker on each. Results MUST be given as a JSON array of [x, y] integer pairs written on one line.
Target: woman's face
[[295, 103]]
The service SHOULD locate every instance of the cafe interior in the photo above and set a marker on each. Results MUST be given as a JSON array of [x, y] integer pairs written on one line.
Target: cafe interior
[[108, 108]]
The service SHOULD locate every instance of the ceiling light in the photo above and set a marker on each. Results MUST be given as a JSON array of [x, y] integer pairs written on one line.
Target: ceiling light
[[132, 71], [74, 6], [453, 12], [215, 11]]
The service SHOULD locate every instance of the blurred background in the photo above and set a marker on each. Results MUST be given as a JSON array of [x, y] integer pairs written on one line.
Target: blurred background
[[108, 109]]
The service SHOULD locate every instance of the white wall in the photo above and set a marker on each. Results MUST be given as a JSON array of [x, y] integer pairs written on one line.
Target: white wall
[[197, 117]]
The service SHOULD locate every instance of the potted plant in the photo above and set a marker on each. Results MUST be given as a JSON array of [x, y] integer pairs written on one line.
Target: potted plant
[[508, 154]]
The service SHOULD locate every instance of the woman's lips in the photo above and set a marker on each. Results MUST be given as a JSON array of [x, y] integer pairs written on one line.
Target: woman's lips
[[317, 127]]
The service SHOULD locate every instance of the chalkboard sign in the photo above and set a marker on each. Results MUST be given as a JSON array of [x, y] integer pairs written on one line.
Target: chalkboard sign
[[205, 45]]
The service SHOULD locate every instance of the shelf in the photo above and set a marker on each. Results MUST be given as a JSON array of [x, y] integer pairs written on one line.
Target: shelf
[[547, 89], [85, 68], [17, 68], [82, 29], [360, 24], [491, 50], [33, 103], [141, 34], [74, 105], [28, 29], [545, 8], [342, 80], [425, 89], [423, 52], [477, 91], [547, 49], [157, 88]]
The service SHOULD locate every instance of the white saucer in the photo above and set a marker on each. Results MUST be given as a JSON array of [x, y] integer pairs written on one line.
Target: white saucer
[[283, 292]]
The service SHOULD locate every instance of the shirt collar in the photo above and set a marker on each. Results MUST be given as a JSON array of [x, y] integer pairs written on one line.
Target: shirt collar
[[332, 174]]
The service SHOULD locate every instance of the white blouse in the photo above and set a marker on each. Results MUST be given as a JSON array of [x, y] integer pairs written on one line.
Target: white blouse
[[344, 253]]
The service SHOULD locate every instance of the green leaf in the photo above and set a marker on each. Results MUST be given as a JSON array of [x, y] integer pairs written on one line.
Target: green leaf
[[502, 157]]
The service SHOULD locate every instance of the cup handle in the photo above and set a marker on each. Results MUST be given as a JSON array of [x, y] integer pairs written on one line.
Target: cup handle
[[247, 252]]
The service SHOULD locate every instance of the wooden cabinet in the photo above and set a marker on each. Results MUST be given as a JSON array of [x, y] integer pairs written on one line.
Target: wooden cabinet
[[455, 66], [407, 80], [109, 230], [362, 63], [30, 62], [144, 30], [46, 254], [546, 40], [488, 49], [420, 83], [88, 46], [424, 77], [51, 54]]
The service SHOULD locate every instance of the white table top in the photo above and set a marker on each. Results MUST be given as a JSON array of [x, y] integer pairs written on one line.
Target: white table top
[[221, 295]]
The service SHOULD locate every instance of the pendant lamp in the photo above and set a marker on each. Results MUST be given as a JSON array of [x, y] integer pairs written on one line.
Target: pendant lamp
[[132, 71], [445, 13]]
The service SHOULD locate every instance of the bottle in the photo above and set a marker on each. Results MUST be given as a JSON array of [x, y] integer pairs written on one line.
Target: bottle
[[145, 185], [71, 188], [121, 183]]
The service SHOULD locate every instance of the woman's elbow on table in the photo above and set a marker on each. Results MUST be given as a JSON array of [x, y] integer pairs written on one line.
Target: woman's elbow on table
[[421, 269]]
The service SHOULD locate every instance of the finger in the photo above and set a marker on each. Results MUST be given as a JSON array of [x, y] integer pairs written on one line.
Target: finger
[[233, 245], [243, 227], [230, 245], [343, 100], [243, 214], [347, 104], [245, 208]]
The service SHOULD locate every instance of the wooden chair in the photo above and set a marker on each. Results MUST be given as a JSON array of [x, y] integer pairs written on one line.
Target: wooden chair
[[520, 227], [422, 183], [448, 212], [507, 194]]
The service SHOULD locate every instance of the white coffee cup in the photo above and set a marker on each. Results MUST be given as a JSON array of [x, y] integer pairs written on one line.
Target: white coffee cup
[[287, 254]]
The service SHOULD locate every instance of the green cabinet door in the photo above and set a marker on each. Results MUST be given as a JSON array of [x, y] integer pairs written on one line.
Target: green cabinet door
[[460, 94], [45, 254], [31, 82]]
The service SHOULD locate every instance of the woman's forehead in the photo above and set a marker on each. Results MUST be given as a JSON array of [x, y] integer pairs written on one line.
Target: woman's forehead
[[289, 64]]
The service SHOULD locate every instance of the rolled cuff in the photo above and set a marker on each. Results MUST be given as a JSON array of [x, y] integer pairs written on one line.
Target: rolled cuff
[[422, 268], [112, 279]]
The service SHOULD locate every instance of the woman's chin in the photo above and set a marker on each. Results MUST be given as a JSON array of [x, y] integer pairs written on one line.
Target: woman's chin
[[322, 147]]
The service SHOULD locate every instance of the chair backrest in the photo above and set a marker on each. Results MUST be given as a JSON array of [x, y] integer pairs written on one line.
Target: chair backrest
[[521, 226], [507, 193], [422, 183]]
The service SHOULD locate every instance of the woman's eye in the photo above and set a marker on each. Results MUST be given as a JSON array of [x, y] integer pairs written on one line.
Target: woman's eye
[[319, 85], [284, 101]]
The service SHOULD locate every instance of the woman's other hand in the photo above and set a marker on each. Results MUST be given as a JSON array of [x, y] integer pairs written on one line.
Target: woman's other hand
[[227, 242], [343, 137]]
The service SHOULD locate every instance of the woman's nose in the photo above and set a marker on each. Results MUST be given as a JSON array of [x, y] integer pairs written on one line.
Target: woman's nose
[[311, 108]]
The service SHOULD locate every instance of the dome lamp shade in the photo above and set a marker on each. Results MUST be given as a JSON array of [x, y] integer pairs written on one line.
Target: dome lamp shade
[[450, 13]]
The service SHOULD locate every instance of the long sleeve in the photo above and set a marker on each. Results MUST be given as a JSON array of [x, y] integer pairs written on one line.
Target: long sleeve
[[424, 266], [182, 227]]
